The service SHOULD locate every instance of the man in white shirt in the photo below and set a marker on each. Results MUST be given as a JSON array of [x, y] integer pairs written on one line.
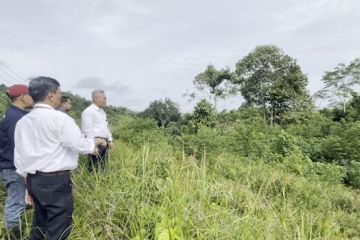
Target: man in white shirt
[[47, 144], [94, 125]]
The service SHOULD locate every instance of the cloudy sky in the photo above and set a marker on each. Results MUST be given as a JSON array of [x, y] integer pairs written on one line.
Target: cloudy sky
[[139, 51]]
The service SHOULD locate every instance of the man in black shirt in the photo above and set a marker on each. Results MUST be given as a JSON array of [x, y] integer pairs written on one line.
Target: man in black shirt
[[15, 185]]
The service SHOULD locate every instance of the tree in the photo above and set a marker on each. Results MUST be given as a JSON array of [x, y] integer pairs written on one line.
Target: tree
[[340, 83], [204, 115], [213, 80], [271, 79], [163, 112]]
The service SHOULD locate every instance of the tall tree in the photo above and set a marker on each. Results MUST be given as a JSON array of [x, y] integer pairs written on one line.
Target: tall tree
[[271, 79], [163, 111], [213, 80], [340, 83]]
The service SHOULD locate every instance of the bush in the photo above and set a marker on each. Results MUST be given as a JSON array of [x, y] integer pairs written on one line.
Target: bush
[[139, 131], [353, 174]]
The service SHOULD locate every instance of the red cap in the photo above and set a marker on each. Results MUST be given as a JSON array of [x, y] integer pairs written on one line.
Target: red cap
[[17, 90]]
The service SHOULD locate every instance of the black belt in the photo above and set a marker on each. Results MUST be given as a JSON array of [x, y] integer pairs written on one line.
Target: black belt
[[53, 174]]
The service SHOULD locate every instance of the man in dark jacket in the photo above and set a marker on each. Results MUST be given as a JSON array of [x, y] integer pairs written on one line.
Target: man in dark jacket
[[15, 185]]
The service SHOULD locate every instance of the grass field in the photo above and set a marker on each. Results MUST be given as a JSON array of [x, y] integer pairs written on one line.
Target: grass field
[[159, 193]]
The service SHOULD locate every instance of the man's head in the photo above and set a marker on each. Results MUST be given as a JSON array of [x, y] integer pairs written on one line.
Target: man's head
[[45, 90], [66, 103], [99, 98], [19, 96]]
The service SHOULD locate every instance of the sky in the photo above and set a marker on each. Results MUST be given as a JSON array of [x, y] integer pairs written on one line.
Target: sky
[[139, 51]]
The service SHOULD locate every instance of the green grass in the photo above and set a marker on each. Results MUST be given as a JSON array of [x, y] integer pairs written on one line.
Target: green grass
[[158, 193]]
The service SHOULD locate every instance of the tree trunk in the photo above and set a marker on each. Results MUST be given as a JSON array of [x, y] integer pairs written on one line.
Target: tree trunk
[[215, 103], [264, 110], [272, 116]]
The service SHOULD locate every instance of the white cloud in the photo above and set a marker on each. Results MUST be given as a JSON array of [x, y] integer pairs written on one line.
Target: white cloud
[[146, 50]]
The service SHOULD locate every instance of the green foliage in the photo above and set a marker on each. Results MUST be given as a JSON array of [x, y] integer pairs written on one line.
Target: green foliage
[[226, 175], [352, 109], [163, 112], [139, 131], [249, 140], [204, 115], [214, 80], [206, 143], [343, 145], [155, 193], [273, 80], [4, 100], [353, 174], [340, 83]]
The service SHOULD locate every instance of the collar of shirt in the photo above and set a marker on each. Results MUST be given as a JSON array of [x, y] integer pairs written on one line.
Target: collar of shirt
[[23, 111], [42, 105], [95, 107]]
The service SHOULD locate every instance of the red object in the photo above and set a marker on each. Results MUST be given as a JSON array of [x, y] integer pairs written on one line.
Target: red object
[[17, 90]]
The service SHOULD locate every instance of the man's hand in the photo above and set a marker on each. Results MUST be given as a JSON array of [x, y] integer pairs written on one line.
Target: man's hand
[[95, 152], [100, 142], [28, 199], [111, 145]]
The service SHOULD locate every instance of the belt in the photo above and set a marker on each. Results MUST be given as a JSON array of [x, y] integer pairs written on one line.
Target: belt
[[106, 139], [53, 174]]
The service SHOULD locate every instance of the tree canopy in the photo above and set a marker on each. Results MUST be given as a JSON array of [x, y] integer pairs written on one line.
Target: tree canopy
[[270, 78], [213, 79], [339, 83], [163, 111]]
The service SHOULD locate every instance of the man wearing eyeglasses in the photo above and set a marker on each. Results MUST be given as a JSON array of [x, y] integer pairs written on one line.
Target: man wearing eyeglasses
[[47, 145]]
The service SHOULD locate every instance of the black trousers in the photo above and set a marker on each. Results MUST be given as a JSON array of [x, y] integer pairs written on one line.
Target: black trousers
[[53, 202], [98, 162]]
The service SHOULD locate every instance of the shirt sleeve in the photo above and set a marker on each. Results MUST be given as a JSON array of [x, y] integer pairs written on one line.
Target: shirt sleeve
[[87, 121], [72, 137], [18, 161]]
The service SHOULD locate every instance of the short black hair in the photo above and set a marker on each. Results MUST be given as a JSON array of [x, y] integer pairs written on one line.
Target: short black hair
[[39, 87], [64, 99]]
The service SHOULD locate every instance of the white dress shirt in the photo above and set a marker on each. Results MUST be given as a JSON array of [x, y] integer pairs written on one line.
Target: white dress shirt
[[94, 123], [48, 140]]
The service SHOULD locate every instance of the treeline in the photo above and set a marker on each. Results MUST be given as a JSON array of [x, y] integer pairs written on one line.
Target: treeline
[[278, 120]]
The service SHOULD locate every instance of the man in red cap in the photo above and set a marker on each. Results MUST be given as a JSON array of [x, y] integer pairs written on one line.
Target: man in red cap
[[15, 184]]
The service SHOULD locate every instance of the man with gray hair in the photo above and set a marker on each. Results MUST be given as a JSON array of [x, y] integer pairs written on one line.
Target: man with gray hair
[[47, 145], [94, 125]]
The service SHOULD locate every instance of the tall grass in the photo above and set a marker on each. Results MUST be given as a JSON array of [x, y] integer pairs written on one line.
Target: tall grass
[[154, 192]]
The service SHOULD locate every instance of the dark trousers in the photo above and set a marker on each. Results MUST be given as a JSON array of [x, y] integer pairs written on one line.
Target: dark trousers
[[97, 162], [53, 202]]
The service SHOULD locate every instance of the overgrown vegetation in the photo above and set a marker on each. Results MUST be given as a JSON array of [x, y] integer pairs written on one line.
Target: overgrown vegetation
[[275, 168]]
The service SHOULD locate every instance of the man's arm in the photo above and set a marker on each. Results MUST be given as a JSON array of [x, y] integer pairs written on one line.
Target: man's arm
[[18, 160], [72, 137], [87, 124]]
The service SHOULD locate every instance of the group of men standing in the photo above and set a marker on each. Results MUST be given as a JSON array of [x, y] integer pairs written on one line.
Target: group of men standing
[[38, 149]]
